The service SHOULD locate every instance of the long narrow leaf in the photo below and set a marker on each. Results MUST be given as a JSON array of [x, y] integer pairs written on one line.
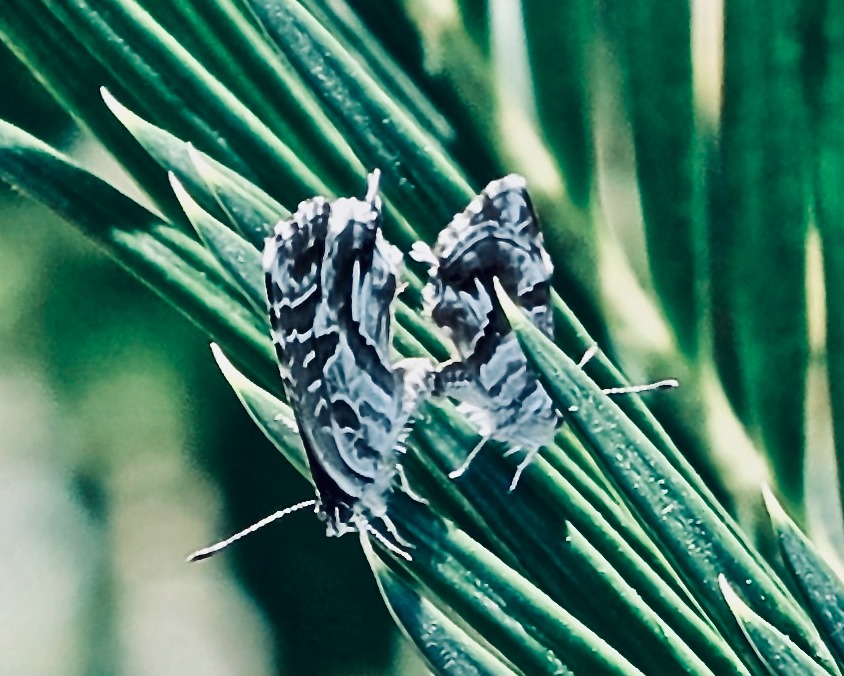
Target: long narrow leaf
[[163, 258], [228, 248], [573, 338], [425, 185], [559, 38], [445, 646], [341, 20], [776, 650], [180, 94], [654, 47], [821, 588], [235, 49], [73, 77], [829, 177], [181, 158], [273, 417], [761, 248], [699, 542], [530, 521], [503, 606]]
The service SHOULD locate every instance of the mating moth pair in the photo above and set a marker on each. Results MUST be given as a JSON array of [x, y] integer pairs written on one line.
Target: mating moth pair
[[331, 279]]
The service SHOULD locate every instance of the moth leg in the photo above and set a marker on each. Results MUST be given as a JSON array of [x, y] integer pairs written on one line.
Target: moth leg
[[587, 356], [384, 541], [523, 465], [468, 461], [391, 529], [405, 488]]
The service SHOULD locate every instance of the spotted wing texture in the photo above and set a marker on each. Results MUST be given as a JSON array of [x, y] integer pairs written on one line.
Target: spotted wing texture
[[496, 236], [331, 278]]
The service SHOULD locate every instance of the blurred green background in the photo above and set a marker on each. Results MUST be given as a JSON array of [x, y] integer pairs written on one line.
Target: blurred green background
[[122, 448]]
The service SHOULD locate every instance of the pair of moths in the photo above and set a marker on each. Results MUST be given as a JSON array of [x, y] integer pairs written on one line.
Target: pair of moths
[[331, 279]]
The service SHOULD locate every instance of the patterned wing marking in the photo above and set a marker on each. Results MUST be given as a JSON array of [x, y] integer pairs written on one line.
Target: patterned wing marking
[[496, 236], [331, 279]]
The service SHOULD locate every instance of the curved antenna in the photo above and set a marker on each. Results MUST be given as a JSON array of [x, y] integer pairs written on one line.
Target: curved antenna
[[213, 549], [668, 384]]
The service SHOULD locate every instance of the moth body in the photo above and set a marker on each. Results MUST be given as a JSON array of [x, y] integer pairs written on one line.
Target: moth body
[[497, 236], [331, 278]]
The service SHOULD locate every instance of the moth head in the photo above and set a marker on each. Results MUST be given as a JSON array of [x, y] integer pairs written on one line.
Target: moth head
[[356, 221]]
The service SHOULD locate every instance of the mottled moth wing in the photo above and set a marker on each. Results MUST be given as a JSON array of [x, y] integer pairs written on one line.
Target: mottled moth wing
[[497, 236], [331, 279]]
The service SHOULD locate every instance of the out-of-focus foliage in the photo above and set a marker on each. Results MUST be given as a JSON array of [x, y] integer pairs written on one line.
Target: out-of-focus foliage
[[678, 196], [122, 448]]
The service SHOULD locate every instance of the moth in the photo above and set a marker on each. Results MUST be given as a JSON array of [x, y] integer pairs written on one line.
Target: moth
[[331, 278], [496, 236]]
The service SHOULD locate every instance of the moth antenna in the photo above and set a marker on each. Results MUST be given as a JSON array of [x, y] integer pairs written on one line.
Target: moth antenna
[[373, 182], [389, 545], [668, 384], [468, 461], [213, 549], [587, 356], [405, 486]]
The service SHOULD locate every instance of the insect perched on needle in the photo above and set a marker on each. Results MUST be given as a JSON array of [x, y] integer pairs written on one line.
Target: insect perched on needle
[[331, 278], [496, 236]]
